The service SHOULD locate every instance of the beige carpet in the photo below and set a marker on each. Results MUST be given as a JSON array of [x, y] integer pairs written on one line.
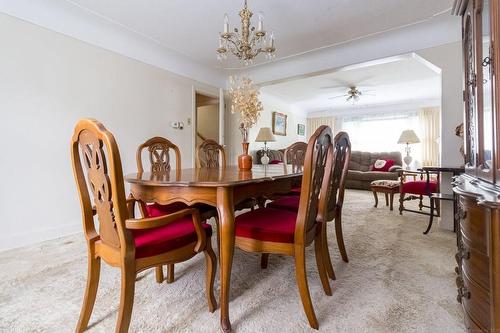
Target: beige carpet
[[398, 280]]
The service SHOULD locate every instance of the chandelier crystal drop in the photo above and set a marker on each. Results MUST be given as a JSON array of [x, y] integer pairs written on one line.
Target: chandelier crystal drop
[[248, 42]]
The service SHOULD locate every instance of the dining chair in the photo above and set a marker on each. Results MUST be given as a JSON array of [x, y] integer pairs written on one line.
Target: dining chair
[[294, 156], [335, 200], [270, 230], [159, 149], [210, 154], [133, 245]]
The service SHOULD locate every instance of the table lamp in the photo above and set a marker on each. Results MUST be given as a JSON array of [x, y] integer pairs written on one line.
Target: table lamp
[[408, 137], [265, 135]]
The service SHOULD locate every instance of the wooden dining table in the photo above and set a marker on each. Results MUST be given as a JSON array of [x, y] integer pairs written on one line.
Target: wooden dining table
[[221, 188]]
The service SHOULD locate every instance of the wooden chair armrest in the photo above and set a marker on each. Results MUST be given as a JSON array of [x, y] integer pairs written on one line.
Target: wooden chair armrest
[[154, 222]]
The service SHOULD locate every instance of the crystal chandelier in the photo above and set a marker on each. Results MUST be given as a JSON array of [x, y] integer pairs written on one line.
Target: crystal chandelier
[[247, 43]]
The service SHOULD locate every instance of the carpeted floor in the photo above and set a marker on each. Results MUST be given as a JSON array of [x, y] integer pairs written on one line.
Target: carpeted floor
[[397, 280]]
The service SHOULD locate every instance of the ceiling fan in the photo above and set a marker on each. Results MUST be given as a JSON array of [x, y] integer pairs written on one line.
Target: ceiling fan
[[353, 94]]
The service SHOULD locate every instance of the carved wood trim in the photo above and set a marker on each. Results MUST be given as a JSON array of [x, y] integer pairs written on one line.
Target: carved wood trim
[[159, 155], [210, 154], [296, 154]]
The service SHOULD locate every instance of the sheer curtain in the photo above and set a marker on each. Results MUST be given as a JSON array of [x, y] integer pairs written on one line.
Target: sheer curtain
[[380, 132], [314, 123], [429, 129]]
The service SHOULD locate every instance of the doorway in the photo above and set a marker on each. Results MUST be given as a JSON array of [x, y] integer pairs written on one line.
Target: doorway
[[207, 118]]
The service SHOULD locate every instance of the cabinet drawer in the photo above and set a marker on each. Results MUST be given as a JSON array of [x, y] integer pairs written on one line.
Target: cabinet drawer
[[474, 223], [471, 325], [475, 301], [474, 263]]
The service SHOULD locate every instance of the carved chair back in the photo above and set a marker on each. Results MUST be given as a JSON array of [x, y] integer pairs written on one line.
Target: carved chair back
[[210, 154], [159, 155], [295, 155], [318, 158], [335, 187], [98, 173]]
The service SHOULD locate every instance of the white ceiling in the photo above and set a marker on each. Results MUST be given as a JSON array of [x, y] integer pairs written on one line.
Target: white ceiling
[[191, 27], [405, 80]]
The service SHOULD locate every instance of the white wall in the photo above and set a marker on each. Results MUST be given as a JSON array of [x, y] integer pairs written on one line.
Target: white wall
[[449, 58], [47, 82], [270, 104]]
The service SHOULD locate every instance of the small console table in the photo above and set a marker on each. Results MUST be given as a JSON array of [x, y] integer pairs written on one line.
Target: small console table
[[455, 171]]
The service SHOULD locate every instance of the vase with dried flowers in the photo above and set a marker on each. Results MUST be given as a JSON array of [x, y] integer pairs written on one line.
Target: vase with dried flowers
[[245, 101]]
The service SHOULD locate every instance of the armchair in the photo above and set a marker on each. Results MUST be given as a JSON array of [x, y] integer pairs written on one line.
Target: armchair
[[122, 241]]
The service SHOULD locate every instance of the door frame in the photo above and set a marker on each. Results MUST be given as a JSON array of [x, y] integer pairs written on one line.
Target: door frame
[[210, 93]]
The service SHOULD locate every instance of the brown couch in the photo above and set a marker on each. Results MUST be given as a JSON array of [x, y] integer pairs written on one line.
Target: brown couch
[[359, 175], [274, 155]]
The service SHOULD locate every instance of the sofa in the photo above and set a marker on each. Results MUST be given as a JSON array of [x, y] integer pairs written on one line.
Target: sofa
[[359, 175], [274, 155]]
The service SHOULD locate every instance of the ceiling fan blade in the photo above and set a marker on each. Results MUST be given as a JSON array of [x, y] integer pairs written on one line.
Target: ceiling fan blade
[[340, 96], [332, 87], [366, 78]]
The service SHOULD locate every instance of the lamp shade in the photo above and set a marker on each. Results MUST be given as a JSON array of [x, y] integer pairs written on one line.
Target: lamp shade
[[265, 135], [408, 136]]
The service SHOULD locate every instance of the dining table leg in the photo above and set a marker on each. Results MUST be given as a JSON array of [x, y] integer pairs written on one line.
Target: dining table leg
[[225, 208]]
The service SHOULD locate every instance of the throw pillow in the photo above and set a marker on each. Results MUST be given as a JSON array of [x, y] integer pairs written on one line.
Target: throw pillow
[[382, 165], [275, 162]]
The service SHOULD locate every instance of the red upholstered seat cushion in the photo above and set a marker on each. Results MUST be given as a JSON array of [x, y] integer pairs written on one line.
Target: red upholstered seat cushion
[[276, 162], [267, 224], [290, 203], [419, 187], [296, 190], [155, 210], [150, 242]]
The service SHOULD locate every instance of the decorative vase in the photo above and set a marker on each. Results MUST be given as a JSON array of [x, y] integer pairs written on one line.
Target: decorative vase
[[245, 160]]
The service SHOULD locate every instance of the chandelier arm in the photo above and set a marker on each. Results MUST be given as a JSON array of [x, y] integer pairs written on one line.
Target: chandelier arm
[[235, 49], [255, 39]]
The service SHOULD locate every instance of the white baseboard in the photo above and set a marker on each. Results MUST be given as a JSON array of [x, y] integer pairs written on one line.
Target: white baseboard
[[31, 237]]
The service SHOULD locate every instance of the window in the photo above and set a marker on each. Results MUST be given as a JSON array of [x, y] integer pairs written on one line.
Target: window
[[380, 132]]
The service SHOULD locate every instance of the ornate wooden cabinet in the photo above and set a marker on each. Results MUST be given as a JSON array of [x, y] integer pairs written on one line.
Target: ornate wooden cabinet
[[478, 232]]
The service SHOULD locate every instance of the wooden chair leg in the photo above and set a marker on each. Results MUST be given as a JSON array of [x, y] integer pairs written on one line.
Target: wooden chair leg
[[340, 237], [320, 262], [401, 200], [386, 199], [301, 277], [170, 273], [94, 270], [126, 299], [159, 274], [264, 259], [391, 198], [211, 268], [326, 253]]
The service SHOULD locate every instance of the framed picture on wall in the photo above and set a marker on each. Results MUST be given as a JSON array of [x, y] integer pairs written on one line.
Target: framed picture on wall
[[301, 129], [279, 123]]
